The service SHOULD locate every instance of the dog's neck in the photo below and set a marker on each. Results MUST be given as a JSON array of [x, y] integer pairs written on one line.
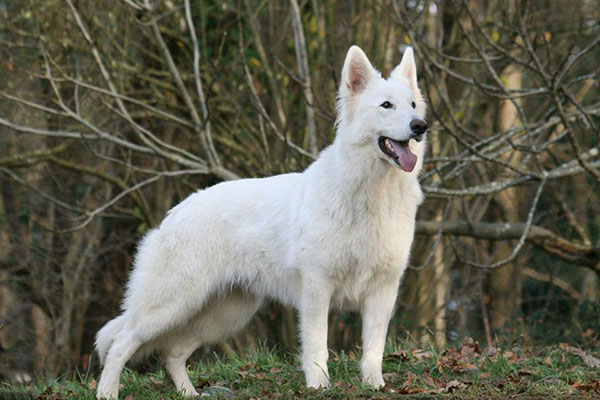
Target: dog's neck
[[356, 183]]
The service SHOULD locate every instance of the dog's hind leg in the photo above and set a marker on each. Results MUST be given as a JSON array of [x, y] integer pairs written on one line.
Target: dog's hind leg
[[223, 315], [123, 347], [175, 358], [140, 329], [175, 366]]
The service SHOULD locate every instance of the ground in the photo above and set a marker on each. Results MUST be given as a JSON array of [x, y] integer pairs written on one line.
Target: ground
[[464, 371]]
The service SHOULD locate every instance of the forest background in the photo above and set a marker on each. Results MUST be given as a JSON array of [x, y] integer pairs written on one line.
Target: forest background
[[113, 112]]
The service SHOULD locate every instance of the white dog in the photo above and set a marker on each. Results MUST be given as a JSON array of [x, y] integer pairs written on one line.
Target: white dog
[[337, 235]]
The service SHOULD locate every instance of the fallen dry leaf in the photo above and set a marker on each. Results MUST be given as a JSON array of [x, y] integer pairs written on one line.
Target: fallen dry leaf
[[472, 343], [420, 354], [449, 387], [342, 385], [407, 389], [490, 351], [411, 376], [408, 386], [453, 385], [158, 384], [258, 375], [202, 382], [50, 395], [587, 387], [429, 380], [388, 387], [588, 359], [458, 361], [398, 355], [500, 383], [563, 346], [246, 366], [389, 376], [589, 332]]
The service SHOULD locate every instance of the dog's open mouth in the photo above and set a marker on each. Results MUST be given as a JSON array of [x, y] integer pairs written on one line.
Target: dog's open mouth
[[399, 152]]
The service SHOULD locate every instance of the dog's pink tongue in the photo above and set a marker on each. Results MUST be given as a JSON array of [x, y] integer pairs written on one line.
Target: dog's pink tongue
[[406, 159]]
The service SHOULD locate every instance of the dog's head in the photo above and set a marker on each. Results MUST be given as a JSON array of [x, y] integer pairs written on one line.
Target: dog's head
[[384, 115]]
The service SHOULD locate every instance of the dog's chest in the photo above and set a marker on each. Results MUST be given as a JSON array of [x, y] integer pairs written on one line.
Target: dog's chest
[[375, 252], [383, 233]]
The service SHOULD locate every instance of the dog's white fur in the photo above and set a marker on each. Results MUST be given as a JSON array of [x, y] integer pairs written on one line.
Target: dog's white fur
[[337, 235]]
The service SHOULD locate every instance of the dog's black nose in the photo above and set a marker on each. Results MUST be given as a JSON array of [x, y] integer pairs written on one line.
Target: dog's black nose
[[418, 126]]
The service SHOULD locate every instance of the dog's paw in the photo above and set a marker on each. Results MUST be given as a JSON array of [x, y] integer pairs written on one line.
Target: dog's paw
[[317, 379], [375, 380], [317, 384], [107, 395], [371, 375]]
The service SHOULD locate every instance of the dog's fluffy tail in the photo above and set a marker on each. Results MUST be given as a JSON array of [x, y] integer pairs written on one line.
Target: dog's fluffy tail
[[105, 336]]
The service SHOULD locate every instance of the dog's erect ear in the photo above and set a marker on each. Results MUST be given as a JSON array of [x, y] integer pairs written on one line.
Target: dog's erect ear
[[357, 72], [407, 67], [407, 70]]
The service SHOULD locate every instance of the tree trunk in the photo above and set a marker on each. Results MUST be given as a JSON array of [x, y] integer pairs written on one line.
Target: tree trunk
[[504, 283]]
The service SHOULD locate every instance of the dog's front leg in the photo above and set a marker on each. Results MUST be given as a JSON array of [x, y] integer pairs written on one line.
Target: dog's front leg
[[376, 312], [314, 309]]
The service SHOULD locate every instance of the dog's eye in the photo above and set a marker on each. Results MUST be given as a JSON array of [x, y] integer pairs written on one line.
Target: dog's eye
[[386, 104], [413, 105]]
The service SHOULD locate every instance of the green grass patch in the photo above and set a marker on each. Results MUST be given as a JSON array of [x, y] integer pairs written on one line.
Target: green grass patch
[[466, 371]]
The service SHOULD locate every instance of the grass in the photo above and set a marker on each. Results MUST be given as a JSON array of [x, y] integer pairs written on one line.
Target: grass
[[466, 371]]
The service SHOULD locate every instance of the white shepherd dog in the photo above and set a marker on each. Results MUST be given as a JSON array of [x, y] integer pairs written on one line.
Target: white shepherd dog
[[337, 235]]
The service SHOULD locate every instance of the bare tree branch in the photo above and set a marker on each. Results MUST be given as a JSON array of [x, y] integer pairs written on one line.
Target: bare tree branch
[[304, 74], [574, 253]]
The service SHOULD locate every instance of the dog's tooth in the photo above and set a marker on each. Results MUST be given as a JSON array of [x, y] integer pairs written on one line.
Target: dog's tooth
[[388, 144]]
